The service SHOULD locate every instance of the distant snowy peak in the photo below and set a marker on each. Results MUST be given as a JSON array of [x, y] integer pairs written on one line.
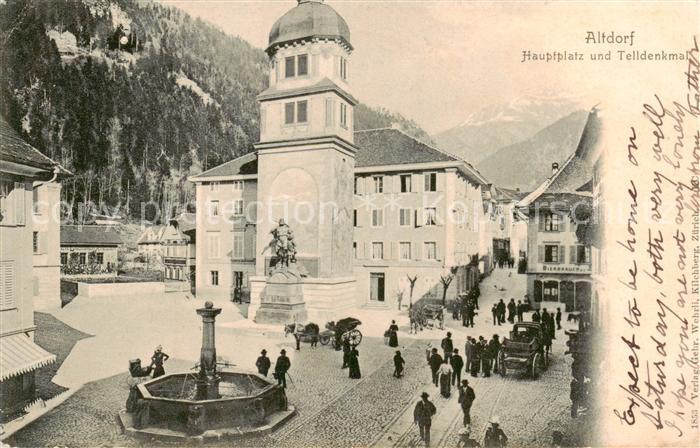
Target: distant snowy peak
[[540, 108]]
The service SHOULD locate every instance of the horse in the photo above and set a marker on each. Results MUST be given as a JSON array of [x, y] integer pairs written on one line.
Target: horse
[[301, 333]]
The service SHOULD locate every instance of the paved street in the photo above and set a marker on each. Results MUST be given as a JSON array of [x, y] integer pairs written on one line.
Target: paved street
[[333, 409]]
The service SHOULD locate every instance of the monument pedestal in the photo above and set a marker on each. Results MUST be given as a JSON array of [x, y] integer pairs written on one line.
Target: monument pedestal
[[282, 299]]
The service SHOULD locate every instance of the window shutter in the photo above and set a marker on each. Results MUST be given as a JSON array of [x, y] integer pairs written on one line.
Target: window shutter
[[572, 254], [540, 254], [562, 223], [19, 203], [562, 254], [336, 66], [426, 182], [540, 221], [278, 66], [417, 249], [7, 285]]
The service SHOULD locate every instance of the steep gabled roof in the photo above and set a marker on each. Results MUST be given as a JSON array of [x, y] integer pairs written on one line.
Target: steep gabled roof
[[90, 235], [14, 149], [576, 173]]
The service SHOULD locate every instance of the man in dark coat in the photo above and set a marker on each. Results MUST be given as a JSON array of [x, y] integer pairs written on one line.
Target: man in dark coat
[[281, 367], [486, 357], [457, 364], [476, 357], [470, 314], [495, 437], [511, 311], [423, 417], [536, 316], [346, 353], [398, 364], [558, 318], [466, 398], [435, 361], [494, 348], [494, 312], [263, 363], [464, 309], [447, 346], [520, 308], [501, 312]]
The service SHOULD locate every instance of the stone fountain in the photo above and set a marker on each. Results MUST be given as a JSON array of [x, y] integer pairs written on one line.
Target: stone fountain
[[208, 404]]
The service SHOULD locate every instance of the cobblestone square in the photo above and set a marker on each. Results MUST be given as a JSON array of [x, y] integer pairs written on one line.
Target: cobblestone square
[[333, 410]]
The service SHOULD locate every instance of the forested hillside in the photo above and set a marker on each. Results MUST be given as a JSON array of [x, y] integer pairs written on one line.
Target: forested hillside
[[133, 96]]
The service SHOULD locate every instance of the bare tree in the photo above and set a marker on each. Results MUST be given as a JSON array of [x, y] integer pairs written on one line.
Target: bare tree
[[412, 282], [446, 280]]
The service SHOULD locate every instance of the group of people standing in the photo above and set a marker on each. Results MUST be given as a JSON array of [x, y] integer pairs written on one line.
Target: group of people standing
[[515, 311], [282, 366]]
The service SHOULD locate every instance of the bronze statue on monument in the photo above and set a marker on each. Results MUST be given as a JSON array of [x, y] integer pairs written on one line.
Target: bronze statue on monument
[[283, 244]]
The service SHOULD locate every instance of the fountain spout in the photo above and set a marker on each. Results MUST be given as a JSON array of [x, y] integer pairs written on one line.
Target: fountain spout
[[208, 379]]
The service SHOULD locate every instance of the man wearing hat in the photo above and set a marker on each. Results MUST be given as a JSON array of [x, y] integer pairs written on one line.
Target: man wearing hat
[[281, 366], [423, 415], [495, 437], [466, 398], [263, 363]]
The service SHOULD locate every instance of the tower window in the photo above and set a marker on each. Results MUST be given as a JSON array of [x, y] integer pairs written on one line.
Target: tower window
[[344, 69], [302, 65], [296, 66], [296, 112], [344, 115], [301, 111]]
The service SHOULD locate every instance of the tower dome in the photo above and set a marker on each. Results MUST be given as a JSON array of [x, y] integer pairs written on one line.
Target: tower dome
[[309, 19]]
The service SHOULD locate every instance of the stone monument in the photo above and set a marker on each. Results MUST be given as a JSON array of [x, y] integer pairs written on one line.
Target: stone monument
[[282, 299]]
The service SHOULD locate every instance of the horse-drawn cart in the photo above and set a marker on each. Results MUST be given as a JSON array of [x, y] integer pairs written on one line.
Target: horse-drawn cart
[[344, 329], [524, 350], [336, 333]]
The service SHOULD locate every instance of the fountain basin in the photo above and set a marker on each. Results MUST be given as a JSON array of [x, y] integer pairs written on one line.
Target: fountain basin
[[247, 403]]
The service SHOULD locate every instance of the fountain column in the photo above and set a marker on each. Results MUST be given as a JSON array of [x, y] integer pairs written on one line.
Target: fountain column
[[208, 379]]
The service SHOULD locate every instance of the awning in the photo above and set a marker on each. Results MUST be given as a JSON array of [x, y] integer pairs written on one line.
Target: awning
[[19, 354]]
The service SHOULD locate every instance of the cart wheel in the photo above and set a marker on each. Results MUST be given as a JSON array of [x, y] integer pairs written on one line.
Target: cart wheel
[[502, 363], [536, 361], [353, 336], [324, 340]]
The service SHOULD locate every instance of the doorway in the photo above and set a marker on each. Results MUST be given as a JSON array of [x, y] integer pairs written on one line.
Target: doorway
[[376, 287]]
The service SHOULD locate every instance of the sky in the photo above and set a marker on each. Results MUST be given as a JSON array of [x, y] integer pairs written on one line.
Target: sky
[[438, 61]]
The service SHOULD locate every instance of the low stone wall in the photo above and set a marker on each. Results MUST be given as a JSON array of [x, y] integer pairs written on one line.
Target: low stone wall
[[120, 289]]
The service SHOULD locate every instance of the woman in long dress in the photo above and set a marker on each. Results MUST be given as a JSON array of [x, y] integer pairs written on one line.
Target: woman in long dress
[[445, 375], [393, 334], [354, 364], [157, 360]]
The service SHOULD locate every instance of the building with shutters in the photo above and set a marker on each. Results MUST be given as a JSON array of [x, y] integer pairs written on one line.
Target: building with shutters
[[381, 204], [28, 250], [559, 262], [179, 248]]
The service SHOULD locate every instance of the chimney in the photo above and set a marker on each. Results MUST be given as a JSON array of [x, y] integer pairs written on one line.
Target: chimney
[[555, 167]]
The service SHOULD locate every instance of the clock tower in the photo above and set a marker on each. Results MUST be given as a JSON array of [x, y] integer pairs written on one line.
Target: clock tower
[[306, 156]]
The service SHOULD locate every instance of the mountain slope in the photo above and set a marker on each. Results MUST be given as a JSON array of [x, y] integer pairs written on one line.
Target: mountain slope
[[494, 127], [133, 97], [528, 163]]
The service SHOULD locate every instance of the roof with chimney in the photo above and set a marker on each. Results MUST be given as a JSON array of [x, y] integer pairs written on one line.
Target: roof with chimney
[[573, 179]]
